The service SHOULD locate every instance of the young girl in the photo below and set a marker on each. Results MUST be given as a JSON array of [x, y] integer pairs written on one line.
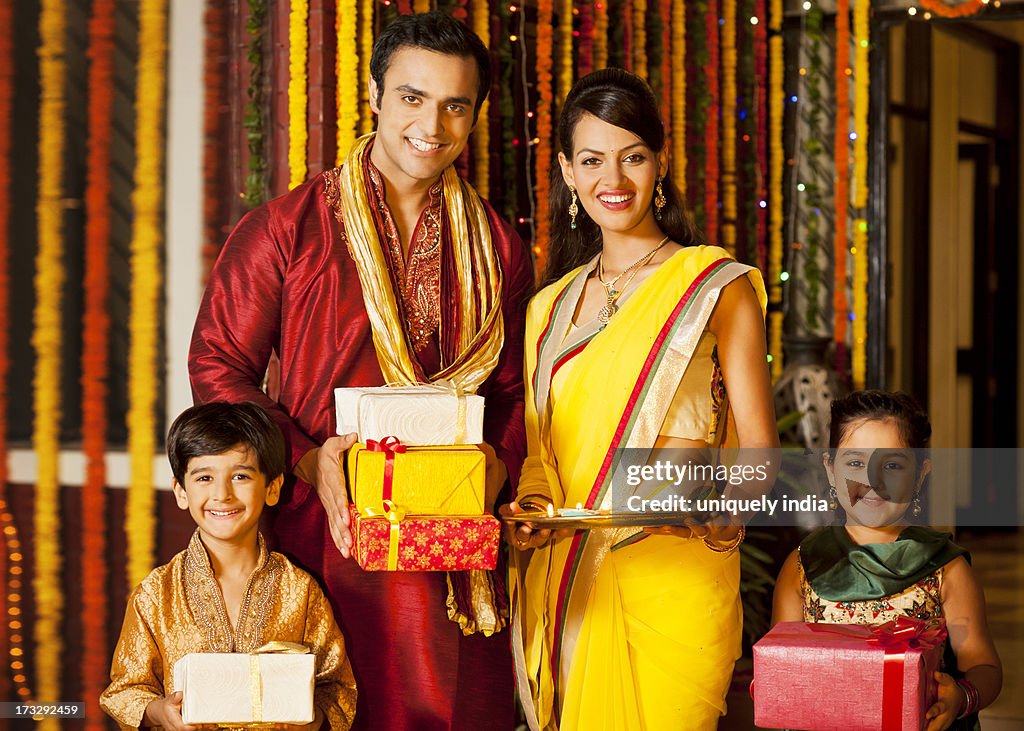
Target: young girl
[[877, 568]]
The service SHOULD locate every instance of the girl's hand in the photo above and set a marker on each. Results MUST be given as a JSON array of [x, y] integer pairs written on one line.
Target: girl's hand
[[945, 710], [525, 536]]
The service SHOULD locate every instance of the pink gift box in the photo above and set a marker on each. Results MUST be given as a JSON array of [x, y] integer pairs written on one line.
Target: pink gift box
[[844, 677]]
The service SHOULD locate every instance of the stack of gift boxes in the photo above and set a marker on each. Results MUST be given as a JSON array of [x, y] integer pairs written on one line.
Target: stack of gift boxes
[[417, 479]]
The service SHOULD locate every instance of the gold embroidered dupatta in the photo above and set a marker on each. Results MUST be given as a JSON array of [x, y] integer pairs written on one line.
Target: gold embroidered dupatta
[[617, 395], [481, 334]]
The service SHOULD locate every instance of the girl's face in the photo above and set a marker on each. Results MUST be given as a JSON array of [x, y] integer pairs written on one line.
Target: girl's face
[[875, 473]]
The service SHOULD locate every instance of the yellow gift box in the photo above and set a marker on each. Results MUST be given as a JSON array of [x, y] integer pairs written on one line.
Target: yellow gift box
[[423, 480]]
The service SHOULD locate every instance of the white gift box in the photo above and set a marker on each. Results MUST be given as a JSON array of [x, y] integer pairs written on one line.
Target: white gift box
[[236, 688], [429, 415]]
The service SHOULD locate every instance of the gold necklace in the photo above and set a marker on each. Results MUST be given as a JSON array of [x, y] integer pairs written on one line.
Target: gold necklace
[[604, 315]]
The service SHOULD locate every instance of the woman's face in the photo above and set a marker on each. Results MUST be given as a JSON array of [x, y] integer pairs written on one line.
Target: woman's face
[[875, 474], [614, 173]]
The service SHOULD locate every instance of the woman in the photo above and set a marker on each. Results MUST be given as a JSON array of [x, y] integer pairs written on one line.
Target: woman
[[634, 344]]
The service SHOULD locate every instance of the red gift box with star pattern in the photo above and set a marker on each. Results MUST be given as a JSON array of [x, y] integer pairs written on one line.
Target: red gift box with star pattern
[[386, 539]]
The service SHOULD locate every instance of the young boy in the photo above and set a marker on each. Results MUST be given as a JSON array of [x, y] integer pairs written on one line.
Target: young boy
[[226, 592]]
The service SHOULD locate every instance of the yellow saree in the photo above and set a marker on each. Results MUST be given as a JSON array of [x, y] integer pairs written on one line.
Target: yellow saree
[[614, 628]]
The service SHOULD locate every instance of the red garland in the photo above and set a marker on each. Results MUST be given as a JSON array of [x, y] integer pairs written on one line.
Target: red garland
[[711, 131], [405, 7], [840, 304], [542, 150], [585, 44], [627, 35], [215, 91], [665, 12], [95, 327], [761, 112]]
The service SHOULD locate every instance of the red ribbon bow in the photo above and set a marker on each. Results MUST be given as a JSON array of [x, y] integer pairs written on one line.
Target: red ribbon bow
[[390, 446], [907, 633]]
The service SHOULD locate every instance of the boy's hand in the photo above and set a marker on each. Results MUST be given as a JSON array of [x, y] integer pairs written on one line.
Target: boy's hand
[[945, 710], [166, 712], [321, 468]]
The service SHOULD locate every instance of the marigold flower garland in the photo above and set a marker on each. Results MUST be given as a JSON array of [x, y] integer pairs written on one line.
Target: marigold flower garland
[[347, 78], [776, 160], [729, 125], [365, 52], [482, 131], [585, 43], [541, 243], [600, 34], [298, 42], [960, 10], [698, 119], [214, 92], [626, 28], [861, 80], [46, 340], [146, 267], [760, 103], [842, 192], [255, 106], [565, 20], [711, 196], [640, 38], [95, 371], [665, 19], [678, 50], [421, 6]]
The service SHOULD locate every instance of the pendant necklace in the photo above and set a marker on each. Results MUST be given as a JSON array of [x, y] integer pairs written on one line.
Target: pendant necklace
[[604, 315]]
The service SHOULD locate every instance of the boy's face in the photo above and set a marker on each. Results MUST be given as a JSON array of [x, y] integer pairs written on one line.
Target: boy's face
[[225, 494], [424, 116]]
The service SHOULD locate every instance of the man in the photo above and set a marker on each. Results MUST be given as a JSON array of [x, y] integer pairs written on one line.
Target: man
[[388, 269]]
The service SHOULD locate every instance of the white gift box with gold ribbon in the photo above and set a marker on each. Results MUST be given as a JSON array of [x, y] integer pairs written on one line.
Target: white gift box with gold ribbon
[[427, 415], [271, 686]]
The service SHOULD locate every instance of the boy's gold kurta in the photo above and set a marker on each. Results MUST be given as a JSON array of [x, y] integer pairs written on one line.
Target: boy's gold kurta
[[179, 609]]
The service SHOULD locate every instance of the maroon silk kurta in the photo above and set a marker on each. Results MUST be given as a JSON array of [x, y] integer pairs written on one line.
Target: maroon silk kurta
[[286, 282]]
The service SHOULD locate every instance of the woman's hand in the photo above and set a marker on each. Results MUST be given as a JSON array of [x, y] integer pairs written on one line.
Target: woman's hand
[[717, 533], [945, 710], [525, 536]]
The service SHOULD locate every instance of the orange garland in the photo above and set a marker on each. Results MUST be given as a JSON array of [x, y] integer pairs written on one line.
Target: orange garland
[[678, 98], [565, 16], [639, 44], [601, 34], [545, 93], [95, 328], [842, 155], [6, 93], [962, 10]]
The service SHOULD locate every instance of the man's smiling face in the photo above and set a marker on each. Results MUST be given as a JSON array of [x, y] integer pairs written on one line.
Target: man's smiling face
[[424, 115]]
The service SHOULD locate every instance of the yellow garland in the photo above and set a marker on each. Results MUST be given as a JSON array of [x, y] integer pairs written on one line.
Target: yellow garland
[[421, 6], [365, 53], [728, 46], [640, 38], [146, 267], [46, 340], [601, 34], [565, 17], [775, 92], [346, 67], [861, 81], [482, 131], [678, 30], [298, 40]]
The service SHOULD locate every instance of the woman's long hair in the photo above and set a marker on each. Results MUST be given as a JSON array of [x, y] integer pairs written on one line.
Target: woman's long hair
[[624, 100]]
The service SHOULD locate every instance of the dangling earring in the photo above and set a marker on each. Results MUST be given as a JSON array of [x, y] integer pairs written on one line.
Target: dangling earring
[[573, 209], [916, 509], [659, 200], [833, 501]]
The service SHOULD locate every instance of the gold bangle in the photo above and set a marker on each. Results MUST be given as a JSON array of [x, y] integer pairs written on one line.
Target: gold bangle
[[727, 547]]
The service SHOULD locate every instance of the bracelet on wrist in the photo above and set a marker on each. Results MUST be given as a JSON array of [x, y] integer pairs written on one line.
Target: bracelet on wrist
[[972, 697], [727, 547]]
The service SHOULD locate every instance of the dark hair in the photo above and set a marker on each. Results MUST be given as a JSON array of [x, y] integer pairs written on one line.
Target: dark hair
[[219, 426], [624, 100], [859, 406], [433, 31]]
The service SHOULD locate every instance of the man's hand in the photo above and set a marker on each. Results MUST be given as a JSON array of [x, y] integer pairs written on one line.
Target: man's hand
[[166, 712], [945, 710], [321, 468]]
